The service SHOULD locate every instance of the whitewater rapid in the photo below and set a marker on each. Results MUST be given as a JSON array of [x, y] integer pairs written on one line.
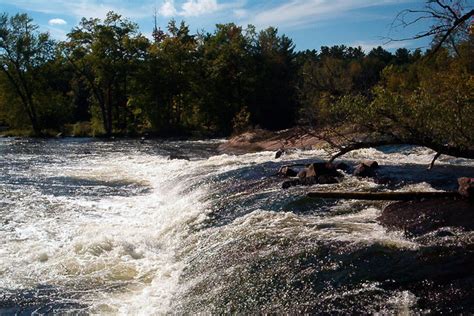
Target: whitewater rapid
[[120, 228]]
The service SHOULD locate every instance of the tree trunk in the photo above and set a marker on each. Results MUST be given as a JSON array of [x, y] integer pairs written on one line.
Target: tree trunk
[[109, 118]]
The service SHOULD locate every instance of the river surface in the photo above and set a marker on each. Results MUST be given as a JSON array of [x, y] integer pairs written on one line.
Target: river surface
[[123, 227]]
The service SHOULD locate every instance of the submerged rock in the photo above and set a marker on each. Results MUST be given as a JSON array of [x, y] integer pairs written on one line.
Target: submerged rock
[[417, 218]]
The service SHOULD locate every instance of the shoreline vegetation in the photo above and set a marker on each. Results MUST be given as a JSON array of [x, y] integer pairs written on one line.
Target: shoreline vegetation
[[109, 80]]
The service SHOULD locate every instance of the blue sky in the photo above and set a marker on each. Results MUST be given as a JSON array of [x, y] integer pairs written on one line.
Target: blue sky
[[310, 23]]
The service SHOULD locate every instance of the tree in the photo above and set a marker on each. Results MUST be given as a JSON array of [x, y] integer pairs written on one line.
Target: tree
[[276, 104], [429, 104], [107, 54], [23, 52], [228, 75], [169, 78]]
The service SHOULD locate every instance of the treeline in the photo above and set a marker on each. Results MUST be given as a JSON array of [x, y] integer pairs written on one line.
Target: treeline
[[107, 78]]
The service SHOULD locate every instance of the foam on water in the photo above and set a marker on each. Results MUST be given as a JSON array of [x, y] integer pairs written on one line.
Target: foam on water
[[127, 253]]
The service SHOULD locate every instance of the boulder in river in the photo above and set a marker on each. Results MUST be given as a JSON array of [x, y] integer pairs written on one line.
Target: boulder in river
[[322, 169], [287, 172], [417, 217], [302, 174], [315, 173], [366, 169], [372, 164], [279, 153]]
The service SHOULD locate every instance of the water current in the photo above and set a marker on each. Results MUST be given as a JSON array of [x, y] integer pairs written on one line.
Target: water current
[[148, 228]]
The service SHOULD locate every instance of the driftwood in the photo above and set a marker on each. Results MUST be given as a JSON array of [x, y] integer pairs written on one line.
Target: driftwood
[[386, 196]]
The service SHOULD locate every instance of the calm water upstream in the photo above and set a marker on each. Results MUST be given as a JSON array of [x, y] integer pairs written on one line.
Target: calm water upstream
[[117, 227]]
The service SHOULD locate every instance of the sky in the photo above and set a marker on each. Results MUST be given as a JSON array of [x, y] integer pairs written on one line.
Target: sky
[[310, 23]]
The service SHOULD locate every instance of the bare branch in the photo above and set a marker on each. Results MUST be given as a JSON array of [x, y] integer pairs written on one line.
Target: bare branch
[[448, 20], [434, 160]]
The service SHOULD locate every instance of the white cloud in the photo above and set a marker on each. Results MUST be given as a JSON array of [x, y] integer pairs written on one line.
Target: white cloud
[[127, 8], [192, 8], [168, 9], [302, 12], [57, 21], [199, 7]]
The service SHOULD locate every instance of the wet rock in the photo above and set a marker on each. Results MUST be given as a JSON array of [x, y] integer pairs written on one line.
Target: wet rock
[[322, 169], [363, 171], [279, 153], [178, 157], [287, 172], [417, 218], [302, 174], [466, 187], [372, 164], [315, 173], [366, 169]]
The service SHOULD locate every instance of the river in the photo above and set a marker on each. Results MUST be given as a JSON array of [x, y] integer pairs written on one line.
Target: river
[[128, 227]]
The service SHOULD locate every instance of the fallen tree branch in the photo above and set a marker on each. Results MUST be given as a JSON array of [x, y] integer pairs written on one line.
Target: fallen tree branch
[[351, 147], [440, 149], [434, 160], [383, 196]]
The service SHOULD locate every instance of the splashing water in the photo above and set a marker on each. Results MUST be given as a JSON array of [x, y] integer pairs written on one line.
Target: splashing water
[[122, 228]]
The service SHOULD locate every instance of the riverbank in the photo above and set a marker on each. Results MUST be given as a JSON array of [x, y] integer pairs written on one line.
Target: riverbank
[[262, 140]]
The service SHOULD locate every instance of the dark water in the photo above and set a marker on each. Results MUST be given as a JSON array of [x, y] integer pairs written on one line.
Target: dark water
[[124, 227]]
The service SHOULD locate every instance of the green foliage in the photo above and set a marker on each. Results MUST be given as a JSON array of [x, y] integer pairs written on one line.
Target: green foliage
[[106, 55], [167, 84], [241, 121], [431, 101], [26, 57], [107, 78]]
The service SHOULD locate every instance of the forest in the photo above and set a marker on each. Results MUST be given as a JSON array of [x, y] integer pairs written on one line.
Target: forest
[[109, 79]]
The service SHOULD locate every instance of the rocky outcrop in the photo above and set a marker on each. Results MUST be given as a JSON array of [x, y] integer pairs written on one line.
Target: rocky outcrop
[[417, 218], [278, 142]]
